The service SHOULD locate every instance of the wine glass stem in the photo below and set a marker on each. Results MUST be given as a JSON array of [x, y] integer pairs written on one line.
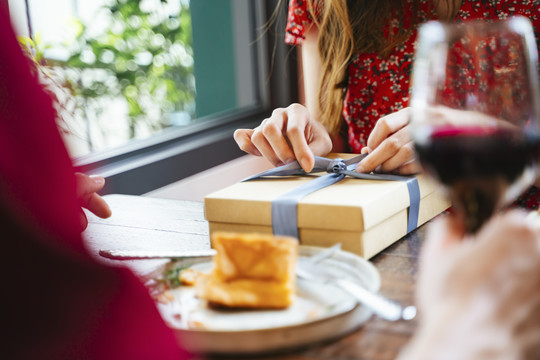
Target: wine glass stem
[[475, 206]]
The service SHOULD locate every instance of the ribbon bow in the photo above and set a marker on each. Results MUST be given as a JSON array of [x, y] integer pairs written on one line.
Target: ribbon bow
[[284, 208]]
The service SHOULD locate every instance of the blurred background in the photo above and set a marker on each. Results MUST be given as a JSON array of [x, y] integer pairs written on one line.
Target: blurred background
[[149, 92]]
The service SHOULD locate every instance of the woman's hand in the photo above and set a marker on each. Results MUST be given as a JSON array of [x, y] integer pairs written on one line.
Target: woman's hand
[[289, 134], [475, 289], [390, 146], [293, 133], [87, 188]]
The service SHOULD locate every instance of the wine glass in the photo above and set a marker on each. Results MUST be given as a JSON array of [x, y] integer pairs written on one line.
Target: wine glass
[[475, 112]]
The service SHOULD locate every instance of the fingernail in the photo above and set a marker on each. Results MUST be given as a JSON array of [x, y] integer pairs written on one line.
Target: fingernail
[[360, 169], [99, 180]]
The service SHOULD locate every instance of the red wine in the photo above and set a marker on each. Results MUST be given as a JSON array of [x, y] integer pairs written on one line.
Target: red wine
[[477, 165]]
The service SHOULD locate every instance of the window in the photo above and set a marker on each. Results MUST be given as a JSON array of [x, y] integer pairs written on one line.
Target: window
[[156, 88]]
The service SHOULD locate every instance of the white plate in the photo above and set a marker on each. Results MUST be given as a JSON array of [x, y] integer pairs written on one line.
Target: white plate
[[320, 312]]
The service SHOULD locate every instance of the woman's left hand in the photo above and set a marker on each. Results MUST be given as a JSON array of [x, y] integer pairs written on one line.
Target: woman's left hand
[[390, 146]]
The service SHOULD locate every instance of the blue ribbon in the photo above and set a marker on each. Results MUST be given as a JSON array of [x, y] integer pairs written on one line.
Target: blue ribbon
[[284, 208]]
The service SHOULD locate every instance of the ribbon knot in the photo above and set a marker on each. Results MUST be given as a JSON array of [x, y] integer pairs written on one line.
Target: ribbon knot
[[336, 166]]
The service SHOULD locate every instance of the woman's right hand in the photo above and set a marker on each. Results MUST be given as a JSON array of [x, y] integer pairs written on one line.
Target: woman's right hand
[[289, 134]]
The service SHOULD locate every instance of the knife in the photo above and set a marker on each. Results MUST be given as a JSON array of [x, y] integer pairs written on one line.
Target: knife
[[154, 254], [133, 254]]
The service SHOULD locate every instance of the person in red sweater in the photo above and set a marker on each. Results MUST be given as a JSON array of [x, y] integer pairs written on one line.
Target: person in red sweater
[[58, 302]]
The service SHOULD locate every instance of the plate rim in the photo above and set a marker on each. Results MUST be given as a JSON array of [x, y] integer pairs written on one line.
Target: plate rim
[[375, 283], [375, 287]]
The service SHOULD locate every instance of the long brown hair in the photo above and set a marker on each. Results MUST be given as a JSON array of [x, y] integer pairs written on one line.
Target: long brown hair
[[347, 27]]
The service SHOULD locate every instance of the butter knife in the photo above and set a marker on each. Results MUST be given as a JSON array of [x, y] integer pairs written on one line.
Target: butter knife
[[133, 254]]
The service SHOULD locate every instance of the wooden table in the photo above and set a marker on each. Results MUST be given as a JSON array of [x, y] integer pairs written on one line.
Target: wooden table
[[161, 222]]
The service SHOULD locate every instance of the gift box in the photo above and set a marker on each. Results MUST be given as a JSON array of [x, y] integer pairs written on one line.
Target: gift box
[[364, 215]]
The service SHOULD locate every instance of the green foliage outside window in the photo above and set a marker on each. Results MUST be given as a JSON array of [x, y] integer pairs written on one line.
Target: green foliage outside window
[[144, 56]]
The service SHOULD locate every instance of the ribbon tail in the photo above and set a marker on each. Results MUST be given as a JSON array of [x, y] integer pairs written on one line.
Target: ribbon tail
[[293, 168], [374, 176], [321, 164], [412, 187], [414, 207], [285, 207], [355, 160]]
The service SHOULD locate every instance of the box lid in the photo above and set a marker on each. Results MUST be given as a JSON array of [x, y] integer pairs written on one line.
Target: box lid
[[351, 204]]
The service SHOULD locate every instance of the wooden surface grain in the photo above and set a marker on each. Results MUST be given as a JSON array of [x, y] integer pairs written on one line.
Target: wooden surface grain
[[146, 222]]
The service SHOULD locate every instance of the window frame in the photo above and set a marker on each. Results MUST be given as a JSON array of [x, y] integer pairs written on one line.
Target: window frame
[[144, 165]]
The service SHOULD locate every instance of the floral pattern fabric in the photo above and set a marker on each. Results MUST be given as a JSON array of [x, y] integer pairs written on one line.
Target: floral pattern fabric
[[379, 86]]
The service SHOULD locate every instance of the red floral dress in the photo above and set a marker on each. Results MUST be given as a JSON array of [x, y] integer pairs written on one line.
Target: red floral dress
[[379, 86]]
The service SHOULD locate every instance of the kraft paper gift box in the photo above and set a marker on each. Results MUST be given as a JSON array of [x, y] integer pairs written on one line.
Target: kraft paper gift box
[[365, 216]]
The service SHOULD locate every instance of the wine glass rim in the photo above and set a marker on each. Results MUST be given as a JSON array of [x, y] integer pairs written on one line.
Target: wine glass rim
[[434, 37], [517, 23]]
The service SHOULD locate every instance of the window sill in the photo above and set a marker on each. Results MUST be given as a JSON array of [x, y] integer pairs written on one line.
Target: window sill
[[143, 166]]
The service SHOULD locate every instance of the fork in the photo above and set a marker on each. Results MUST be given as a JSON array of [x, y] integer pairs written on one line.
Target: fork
[[383, 307]]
